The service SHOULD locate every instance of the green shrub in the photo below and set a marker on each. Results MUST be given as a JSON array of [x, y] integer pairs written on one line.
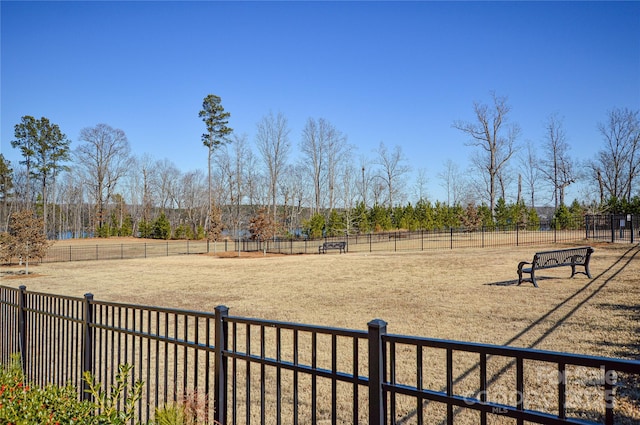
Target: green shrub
[[24, 404], [116, 406]]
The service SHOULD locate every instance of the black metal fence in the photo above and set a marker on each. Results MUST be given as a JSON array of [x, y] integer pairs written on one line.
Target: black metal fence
[[240, 370], [613, 227], [114, 251], [421, 240]]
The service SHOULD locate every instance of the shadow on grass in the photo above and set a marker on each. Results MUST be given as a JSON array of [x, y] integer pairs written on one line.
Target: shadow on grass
[[613, 270], [632, 313], [514, 282]]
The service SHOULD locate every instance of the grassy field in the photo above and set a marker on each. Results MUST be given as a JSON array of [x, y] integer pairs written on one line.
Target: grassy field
[[464, 294]]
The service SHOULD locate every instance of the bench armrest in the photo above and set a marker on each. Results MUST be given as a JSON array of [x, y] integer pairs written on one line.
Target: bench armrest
[[522, 264]]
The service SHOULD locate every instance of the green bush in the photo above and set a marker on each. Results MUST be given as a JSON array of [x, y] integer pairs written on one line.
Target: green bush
[[26, 404]]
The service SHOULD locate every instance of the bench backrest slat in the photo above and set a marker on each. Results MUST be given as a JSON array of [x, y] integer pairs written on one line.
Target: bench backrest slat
[[563, 257]]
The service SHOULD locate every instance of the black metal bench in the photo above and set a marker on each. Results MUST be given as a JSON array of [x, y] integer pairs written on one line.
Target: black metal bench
[[342, 246], [563, 257]]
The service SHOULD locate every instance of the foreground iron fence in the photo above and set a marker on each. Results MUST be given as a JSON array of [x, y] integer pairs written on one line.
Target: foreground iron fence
[[239, 370]]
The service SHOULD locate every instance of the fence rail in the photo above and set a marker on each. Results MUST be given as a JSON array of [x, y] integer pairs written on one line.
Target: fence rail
[[241, 370], [613, 227], [421, 240]]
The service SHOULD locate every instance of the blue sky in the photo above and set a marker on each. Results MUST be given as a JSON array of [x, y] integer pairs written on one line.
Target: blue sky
[[392, 72]]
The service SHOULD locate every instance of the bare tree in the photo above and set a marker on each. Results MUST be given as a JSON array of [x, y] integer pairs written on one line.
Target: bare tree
[[168, 176], [495, 140], [273, 143], [292, 189], [349, 181], [312, 148], [420, 187], [149, 186], [338, 152], [193, 198], [103, 160], [393, 167], [323, 148], [617, 165], [6, 191], [556, 166], [243, 160], [365, 179], [529, 163], [452, 182], [26, 239]]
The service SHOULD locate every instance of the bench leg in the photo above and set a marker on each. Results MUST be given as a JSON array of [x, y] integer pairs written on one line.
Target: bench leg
[[532, 279]]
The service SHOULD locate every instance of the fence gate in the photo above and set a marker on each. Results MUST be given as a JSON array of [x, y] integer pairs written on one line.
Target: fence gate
[[613, 227]]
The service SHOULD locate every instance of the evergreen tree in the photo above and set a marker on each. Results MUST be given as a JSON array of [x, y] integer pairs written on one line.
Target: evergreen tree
[[361, 218], [215, 119], [487, 217], [562, 218], [162, 227], [533, 220], [424, 215], [145, 229], [314, 226], [335, 224], [577, 214], [44, 148], [380, 218], [502, 213]]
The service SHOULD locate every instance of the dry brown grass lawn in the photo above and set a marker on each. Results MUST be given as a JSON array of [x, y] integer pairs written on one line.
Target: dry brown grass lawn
[[462, 294]]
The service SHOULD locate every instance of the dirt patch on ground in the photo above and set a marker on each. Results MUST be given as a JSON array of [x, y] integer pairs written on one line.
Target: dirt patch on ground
[[243, 255]]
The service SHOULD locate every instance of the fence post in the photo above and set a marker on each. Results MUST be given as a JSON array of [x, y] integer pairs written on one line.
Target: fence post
[[586, 226], [613, 230], [451, 237], [87, 343], [220, 371], [22, 328], [377, 328], [482, 231], [631, 226]]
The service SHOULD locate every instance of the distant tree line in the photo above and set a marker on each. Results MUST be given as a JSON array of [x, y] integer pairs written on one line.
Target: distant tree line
[[254, 189]]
